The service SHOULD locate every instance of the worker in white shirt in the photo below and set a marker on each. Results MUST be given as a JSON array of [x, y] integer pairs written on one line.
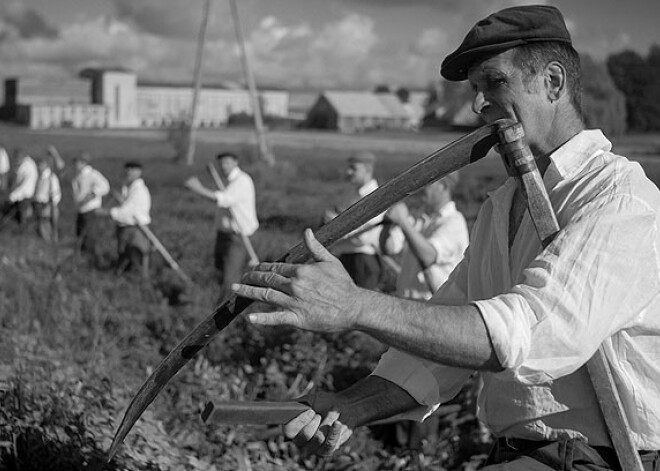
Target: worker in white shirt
[[133, 246], [47, 197], [434, 242], [22, 191], [5, 167], [235, 218], [89, 187], [359, 251]]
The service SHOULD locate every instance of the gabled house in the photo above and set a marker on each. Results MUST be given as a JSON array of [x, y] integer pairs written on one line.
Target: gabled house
[[350, 111]]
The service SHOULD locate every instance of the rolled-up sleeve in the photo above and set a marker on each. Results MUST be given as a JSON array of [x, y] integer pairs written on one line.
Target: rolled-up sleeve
[[572, 297], [429, 383]]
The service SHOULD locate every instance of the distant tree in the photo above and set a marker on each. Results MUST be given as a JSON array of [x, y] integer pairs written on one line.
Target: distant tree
[[637, 78], [382, 88], [603, 104]]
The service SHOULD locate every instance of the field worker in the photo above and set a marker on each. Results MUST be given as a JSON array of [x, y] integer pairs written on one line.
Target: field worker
[[47, 197], [236, 214], [358, 251], [5, 167], [527, 318], [133, 246], [435, 242], [21, 191], [89, 188]]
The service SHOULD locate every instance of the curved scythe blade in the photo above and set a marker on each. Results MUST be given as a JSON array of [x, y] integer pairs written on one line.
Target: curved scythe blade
[[457, 154]]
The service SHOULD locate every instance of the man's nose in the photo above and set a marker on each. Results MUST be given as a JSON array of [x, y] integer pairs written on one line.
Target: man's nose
[[479, 103]]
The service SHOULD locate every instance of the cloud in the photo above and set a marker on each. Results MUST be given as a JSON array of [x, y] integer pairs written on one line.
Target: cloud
[[19, 21]]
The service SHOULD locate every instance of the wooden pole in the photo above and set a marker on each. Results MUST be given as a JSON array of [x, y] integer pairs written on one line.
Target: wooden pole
[[201, 40], [264, 151]]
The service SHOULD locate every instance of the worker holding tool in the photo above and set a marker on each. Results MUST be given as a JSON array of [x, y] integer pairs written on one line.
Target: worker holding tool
[[134, 206], [19, 202], [235, 219], [47, 197], [434, 242], [527, 317], [359, 250], [89, 187]]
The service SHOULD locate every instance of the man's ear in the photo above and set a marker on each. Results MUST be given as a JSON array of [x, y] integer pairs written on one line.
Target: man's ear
[[555, 80]]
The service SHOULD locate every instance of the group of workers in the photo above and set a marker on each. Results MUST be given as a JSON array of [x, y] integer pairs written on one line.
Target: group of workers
[[33, 193], [526, 317]]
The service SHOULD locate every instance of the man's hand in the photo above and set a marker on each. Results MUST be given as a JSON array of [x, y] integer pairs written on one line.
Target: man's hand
[[193, 184], [320, 429], [398, 214], [319, 296]]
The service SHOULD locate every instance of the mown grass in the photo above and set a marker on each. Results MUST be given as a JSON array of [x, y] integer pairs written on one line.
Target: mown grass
[[76, 343]]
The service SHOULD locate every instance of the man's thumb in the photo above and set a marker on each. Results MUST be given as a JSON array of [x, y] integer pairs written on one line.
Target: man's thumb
[[317, 250]]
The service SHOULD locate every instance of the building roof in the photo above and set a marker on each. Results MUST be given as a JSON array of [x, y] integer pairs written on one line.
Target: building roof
[[362, 104], [34, 91]]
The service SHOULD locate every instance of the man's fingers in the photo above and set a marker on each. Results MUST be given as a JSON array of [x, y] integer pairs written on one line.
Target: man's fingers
[[274, 318], [295, 425], [317, 250], [335, 438], [267, 279], [264, 295], [284, 269]]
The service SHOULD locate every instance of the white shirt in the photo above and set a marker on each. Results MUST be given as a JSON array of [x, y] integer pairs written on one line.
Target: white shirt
[[447, 232], [136, 206], [548, 311], [359, 240], [48, 188], [239, 195], [89, 181], [26, 181], [4, 161]]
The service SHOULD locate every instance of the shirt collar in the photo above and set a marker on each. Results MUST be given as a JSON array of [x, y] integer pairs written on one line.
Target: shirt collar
[[233, 174], [571, 157], [447, 210], [566, 161], [367, 188], [136, 182]]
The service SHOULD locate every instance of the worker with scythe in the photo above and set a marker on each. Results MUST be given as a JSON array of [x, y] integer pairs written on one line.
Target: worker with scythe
[[527, 317], [235, 219]]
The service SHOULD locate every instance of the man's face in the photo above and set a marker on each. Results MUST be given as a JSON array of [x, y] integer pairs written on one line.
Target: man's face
[[501, 91], [79, 165], [132, 173], [358, 173], [227, 164]]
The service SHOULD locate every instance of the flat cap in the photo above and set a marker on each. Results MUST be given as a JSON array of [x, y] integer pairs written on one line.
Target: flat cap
[[362, 157], [504, 30]]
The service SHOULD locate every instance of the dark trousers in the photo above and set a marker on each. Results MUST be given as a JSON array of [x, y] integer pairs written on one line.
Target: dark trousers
[[132, 250], [565, 455], [230, 257], [364, 269], [20, 211], [46, 216], [88, 232]]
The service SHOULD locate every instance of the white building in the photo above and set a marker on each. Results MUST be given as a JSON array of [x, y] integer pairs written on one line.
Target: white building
[[115, 99]]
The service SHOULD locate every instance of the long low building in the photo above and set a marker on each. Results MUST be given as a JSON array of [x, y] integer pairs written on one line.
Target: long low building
[[116, 99]]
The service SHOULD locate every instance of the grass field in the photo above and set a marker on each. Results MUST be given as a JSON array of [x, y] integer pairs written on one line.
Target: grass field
[[76, 343]]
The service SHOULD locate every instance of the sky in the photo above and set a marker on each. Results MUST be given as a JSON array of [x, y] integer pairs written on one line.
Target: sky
[[303, 44]]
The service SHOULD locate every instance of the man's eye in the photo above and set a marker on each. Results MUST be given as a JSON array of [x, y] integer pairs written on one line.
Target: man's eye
[[496, 82]]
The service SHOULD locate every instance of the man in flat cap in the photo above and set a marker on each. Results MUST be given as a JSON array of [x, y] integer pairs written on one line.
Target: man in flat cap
[[526, 318], [359, 251]]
